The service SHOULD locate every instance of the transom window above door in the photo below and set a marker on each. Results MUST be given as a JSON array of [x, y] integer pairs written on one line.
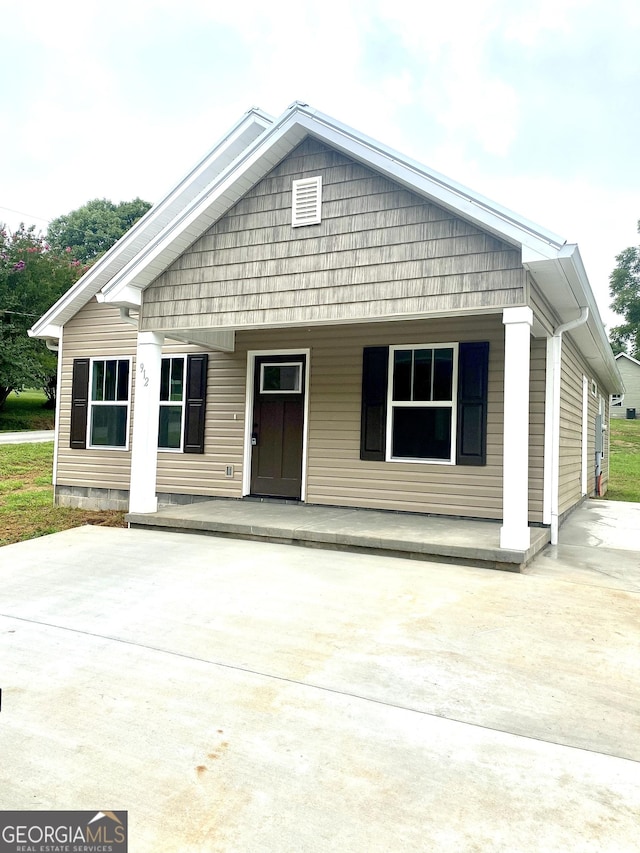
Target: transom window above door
[[285, 378]]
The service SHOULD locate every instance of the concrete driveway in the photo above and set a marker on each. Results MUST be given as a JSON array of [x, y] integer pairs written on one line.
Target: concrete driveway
[[27, 436], [241, 696]]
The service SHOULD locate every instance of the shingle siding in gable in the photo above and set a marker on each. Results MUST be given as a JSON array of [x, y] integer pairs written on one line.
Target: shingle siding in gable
[[379, 251]]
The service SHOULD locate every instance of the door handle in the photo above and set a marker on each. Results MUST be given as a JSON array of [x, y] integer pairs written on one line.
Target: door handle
[[254, 439]]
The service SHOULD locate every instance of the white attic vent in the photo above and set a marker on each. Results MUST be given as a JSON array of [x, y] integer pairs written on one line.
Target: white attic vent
[[307, 201]]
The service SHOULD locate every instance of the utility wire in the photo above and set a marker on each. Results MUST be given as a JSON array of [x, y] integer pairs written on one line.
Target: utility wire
[[22, 213]]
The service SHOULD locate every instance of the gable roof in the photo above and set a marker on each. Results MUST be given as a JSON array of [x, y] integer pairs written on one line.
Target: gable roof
[[153, 223], [249, 151], [628, 357]]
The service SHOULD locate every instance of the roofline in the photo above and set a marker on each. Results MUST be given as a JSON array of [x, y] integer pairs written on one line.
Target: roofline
[[50, 320], [448, 185], [536, 242], [572, 275], [626, 355]]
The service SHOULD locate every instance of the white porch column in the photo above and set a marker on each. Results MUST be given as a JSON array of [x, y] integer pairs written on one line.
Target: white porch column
[[515, 533], [146, 411]]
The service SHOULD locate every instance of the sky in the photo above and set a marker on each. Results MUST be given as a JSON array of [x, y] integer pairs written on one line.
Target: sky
[[535, 105]]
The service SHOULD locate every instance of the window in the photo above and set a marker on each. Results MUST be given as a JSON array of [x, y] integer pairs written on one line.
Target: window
[[109, 403], [421, 410], [281, 378], [594, 388], [306, 207], [183, 390], [172, 387], [616, 399], [425, 403], [100, 403]]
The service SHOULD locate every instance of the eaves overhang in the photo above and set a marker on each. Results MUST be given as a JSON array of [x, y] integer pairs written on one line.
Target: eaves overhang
[[48, 332], [563, 282]]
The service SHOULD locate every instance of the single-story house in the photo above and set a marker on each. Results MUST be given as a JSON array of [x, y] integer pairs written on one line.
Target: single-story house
[[311, 315], [627, 404]]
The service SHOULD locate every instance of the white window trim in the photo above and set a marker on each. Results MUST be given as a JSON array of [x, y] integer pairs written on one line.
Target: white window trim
[[423, 404], [618, 401], [297, 364], [93, 403], [594, 388], [306, 204], [175, 403]]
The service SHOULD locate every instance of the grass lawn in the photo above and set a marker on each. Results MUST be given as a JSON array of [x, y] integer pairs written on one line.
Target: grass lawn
[[624, 482], [26, 496], [26, 411]]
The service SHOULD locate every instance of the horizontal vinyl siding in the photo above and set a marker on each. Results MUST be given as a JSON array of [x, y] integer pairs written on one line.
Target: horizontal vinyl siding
[[96, 331], [379, 251], [606, 446], [593, 408], [570, 479], [536, 427], [204, 474], [541, 308], [335, 473]]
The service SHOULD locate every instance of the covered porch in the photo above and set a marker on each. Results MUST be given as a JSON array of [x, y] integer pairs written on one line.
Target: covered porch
[[396, 534], [334, 468]]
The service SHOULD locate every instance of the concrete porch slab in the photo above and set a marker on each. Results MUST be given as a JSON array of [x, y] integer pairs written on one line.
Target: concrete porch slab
[[440, 538]]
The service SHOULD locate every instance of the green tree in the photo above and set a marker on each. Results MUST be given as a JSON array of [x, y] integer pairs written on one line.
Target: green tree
[[93, 228], [624, 286], [32, 277]]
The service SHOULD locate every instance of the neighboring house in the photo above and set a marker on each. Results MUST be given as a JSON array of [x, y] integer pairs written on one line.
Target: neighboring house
[[629, 369], [310, 315]]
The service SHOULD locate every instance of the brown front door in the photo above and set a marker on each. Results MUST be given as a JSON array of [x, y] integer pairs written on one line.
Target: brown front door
[[278, 425]]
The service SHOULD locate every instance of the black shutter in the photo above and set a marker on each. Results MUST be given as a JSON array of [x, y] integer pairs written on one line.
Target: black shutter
[[195, 403], [473, 377], [373, 425], [79, 404]]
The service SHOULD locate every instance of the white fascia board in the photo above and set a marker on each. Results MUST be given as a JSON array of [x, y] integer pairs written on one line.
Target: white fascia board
[[207, 208], [50, 332], [238, 138], [571, 262], [565, 285], [442, 190], [629, 357], [129, 297]]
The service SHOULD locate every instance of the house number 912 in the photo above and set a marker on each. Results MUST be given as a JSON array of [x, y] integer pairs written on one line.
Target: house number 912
[[144, 375]]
